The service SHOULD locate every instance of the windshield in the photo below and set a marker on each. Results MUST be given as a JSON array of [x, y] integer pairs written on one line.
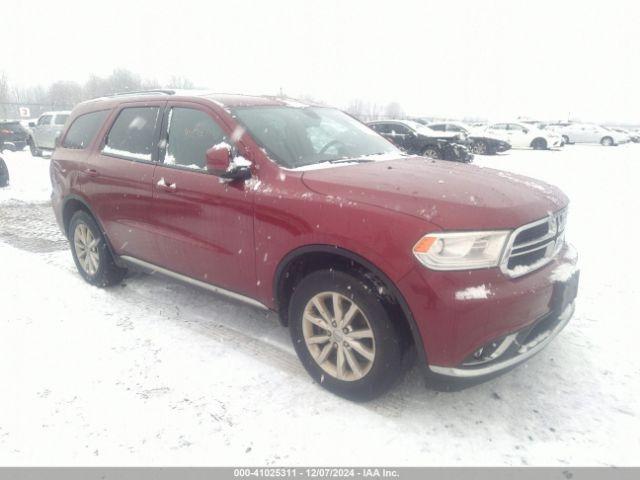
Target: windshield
[[296, 137]]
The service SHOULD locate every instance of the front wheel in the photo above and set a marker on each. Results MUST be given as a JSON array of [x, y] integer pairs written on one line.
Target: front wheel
[[91, 253], [344, 336], [539, 144], [431, 152], [35, 151], [607, 141]]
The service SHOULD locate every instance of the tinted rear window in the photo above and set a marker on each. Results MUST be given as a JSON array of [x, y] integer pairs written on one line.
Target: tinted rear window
[[84, 129], [132, 133]]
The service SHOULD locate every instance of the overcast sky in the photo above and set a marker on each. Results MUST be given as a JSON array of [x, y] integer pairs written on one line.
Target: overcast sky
[[494, 59]]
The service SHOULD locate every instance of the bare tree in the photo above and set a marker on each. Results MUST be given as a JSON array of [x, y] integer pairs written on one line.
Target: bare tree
[[179, 82], [64, 94], [394, 110], [4, 95]]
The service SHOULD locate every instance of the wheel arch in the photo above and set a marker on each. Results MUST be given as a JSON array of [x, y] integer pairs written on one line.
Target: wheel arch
[[72, 203], [306, 259]]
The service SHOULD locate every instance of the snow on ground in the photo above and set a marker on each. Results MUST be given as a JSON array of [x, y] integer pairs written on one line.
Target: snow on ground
[[156, 372]]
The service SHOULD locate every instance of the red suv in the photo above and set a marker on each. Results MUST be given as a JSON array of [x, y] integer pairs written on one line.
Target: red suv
[[368, 254]]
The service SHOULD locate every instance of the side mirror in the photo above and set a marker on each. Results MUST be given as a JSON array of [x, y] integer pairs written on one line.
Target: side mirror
[[223, 163], [526, 131], [32, 124]]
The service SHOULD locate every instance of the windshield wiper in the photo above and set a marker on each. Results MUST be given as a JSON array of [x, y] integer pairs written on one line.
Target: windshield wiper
[[352, 160]]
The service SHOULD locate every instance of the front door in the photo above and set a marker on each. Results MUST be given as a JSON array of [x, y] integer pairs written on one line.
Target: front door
[[205, 226]]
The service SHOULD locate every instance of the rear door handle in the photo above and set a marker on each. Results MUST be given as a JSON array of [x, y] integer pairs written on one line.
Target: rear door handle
[[167, 187], [91, 172]]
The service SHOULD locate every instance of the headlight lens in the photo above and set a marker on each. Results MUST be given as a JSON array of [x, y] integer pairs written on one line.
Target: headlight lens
[[461, 250]]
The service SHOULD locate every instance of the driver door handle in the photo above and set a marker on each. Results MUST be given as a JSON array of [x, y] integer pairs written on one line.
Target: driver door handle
[[164, 186]]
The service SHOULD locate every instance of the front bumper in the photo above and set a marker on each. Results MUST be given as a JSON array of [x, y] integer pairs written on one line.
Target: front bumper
[[459, 313], [514, 348]]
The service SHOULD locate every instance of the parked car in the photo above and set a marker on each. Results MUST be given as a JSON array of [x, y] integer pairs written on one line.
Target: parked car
[[481, 143], [13, 136], [587, 133], [4, 173], [633, 136], [45, 131], [521, 135], [369, 256], [417, 139]]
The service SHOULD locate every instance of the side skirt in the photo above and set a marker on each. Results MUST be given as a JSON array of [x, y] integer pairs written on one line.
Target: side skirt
[[150, 267]]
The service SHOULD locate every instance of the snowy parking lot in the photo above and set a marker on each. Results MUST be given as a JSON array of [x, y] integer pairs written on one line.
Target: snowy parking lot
[[157, 372]]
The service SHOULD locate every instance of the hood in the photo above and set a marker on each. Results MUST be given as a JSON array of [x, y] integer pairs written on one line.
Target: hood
[[451, 195]]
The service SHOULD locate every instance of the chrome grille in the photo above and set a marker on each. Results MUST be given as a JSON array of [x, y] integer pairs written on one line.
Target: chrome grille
[[533, 245]]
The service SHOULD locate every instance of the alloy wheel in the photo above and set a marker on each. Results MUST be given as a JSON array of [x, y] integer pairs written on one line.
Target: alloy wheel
[[339, 336], [86, 246]]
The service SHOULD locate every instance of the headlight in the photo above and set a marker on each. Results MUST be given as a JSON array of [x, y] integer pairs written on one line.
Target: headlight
[[461, 251]]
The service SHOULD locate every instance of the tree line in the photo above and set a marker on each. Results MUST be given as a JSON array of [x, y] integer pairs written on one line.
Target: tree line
[[64, 94]]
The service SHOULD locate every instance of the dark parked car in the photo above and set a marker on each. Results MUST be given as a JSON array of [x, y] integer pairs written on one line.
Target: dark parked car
[[371, 258], [13, 136], [480, 143], [417, 139], [4, 173]]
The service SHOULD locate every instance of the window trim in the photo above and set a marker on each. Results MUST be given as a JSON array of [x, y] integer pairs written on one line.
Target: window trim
[[164, 133], [160, 105]]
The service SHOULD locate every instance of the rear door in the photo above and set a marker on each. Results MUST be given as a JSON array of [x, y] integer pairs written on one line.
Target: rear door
[[205, 226], [118, 178]]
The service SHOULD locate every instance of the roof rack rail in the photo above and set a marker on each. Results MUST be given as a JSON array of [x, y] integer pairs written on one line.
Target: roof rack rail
[[144, 92]]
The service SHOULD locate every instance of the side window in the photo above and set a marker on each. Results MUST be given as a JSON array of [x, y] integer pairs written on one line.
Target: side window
[[45, 120], [61, 119], [515, 127], [190, 133], [382, 128], [131, 135], [499, 126], [83, 129], [439, 127], [399, 129], [453, 128]]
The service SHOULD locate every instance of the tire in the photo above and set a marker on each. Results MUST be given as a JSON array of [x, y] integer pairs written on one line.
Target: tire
[[480, 147], [565, 139], [539, 144], [372, 374], [95, 264], [36, 152], [607, 142], [432, 152]]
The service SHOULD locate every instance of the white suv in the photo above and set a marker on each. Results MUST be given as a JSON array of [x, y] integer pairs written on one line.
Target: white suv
[[45, 131], [521, 135]]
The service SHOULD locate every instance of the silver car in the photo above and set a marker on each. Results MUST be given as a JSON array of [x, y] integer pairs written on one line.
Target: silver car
[[45, 131]]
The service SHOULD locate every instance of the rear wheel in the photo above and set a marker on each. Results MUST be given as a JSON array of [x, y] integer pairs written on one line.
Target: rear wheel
[[480, 147], [565, 139], [344, 336], [607, 141], [91, 253]]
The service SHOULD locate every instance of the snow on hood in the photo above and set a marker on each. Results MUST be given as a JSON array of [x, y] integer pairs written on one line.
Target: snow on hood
[[448, 194], [428, 132]]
